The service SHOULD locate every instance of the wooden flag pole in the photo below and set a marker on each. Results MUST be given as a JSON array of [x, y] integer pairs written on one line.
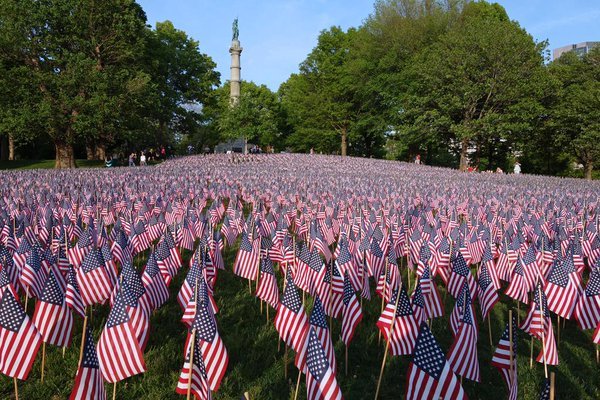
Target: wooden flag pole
[[114, 391], [387, 346], [43, 359], [246, 396], [26, 297], [297, 384], [597, 354], [383, 295], [191, 365], [16, 389], [285, 362], [510, 339], [85, 321], [490, 330], [552, 379], [346, 365], [557, 329], [531, 355], [543, 346]]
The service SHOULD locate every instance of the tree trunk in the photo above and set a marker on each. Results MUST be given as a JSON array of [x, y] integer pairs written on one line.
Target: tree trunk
[[90, 151], [65, 157], [4, 151], [100, 151], [464, 161], [587, 169], [344, 142], [11, 148]]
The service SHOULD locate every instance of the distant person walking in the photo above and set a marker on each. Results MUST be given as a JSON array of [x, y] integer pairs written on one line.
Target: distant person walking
[[517, 169], [132, 160], [418, 159], [143, 159]]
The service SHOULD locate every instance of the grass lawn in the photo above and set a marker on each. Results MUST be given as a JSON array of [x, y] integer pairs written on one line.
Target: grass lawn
[[46, 164], [256, 365]]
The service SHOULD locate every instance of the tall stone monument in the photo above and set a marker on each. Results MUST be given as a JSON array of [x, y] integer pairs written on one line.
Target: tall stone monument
[[235, 50]]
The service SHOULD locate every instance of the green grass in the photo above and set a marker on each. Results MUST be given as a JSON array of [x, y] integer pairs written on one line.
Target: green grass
[[256, 365], [45, 164]]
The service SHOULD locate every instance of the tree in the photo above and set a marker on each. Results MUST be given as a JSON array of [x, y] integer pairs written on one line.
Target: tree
[[479, 85], [184, 79], [320, 99], [67, 58], [257, 115], [575, 116]]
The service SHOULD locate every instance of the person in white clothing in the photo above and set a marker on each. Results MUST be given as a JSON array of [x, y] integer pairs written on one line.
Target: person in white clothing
[[143, 159], [517, 169]]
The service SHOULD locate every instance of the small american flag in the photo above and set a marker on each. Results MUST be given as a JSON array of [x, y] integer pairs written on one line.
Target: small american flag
[[72, 294], [267, 285], [501, 359], [320, 379], [291, 321], [398, 324], [318, 322], [119, 351], [351, 312], [429, 375], [89, 384], [94, 282], [463, 353], [19, 339], [199, 382], [587, 311], [211, 345], [52, 317]]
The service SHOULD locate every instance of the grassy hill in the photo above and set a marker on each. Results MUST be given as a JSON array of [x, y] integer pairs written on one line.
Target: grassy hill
[[256, 365]]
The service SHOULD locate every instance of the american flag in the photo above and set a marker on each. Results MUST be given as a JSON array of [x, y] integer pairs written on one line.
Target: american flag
[[52, 317], [418, 304], [267, 289], [531, 268], [77, 253], [517, 289], [228, 231], [545, 393], [375, 259], [318, 322], [462, 356], [459, 274], [157, 292], [433, 301], [429, 375], [324, 288], [320, 378], [94, 282], [33, 274], [501, 359], [561, 291], [132, 291], [587, 311], [291, 321], [89, 384], [487, 292], [121, 248], [119, 352], [538, 323], [19, 339], [351, 312], [211, 345], [398, 324], [246, 261], [198, 385], [187, 289], [72, 294]]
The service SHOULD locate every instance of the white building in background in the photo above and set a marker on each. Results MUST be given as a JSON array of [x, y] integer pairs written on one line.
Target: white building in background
[[580, 49]]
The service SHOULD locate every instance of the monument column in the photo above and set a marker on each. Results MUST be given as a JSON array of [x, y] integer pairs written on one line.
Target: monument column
[[235, 50]]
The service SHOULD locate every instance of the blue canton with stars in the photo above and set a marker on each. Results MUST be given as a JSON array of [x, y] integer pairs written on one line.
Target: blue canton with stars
[[52, 293], [90, 357], [316, 359], [291, 299], [427, 355], [317, 316], [11, 312]]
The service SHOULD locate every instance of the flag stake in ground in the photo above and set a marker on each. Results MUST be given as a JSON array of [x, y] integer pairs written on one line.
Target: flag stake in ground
[[387, 346]]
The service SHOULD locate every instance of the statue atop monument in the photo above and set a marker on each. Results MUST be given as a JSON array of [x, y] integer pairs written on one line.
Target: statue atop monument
[[235, 29]]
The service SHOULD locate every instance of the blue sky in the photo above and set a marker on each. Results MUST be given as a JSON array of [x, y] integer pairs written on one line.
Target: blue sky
[[278, 34]]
